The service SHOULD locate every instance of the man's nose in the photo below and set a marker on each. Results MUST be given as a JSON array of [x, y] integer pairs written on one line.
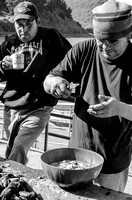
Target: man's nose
[[106, 44], [24, 28]]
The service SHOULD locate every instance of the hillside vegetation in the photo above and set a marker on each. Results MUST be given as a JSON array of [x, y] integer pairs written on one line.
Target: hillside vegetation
[[70, 17], [82, 11]]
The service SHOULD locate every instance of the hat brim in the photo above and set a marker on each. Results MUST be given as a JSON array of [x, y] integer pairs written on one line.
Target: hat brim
[[24, 16], [100, 35]]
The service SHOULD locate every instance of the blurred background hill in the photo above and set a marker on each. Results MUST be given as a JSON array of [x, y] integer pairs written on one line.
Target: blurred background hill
[[82, 11], [70, 17]]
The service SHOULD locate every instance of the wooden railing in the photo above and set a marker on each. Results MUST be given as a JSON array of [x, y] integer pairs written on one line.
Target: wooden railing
[[69, 105]]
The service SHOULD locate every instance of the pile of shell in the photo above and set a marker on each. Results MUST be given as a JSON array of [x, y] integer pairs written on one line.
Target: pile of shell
[[15, 187]]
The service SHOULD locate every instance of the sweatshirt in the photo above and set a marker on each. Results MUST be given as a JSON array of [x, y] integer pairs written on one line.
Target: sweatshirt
[[24, 87]]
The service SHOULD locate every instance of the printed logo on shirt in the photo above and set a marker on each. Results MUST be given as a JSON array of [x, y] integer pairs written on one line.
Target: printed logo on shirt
[[29, 50]]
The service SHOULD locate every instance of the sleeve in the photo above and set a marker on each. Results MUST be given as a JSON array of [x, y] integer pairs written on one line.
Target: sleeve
[[5, 49], [70, 67]]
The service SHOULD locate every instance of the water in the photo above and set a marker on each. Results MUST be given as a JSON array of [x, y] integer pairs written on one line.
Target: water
[[72, 40]]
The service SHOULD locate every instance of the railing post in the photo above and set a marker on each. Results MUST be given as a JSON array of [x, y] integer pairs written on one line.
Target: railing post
[[69, 127], [46, 137]]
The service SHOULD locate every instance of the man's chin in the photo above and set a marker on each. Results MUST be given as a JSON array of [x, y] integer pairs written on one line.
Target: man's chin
[[110, 57], [24, 39]]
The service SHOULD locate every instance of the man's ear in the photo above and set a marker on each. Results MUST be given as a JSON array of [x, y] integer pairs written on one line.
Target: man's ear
[[38, 21]]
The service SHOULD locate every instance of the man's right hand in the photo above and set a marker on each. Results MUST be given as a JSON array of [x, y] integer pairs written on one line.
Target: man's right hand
[[7, 63], [57, 86]]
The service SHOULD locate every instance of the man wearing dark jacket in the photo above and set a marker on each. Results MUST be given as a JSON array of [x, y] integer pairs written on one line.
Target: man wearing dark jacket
[[38, 50]]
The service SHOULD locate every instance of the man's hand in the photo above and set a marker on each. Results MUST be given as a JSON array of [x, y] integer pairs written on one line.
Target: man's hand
[[7, 63], [108, 107], [57, 86]]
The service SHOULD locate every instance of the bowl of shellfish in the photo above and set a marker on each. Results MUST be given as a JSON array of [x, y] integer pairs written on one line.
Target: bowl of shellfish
[[71, 167]]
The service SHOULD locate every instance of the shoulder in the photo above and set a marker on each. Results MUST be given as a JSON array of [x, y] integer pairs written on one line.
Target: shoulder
[[48, 31], [56, 39], [51, 34], [53, 31], [87, 44], [90, 42]]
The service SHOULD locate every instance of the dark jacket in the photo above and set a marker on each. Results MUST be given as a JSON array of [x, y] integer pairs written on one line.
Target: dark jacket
[[24, 88]]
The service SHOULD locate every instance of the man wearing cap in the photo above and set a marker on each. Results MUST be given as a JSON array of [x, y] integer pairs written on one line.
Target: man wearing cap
[[103, 108], [26, 57]]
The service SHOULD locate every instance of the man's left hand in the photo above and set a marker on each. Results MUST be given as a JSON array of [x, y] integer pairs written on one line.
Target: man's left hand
[[108, 107]]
